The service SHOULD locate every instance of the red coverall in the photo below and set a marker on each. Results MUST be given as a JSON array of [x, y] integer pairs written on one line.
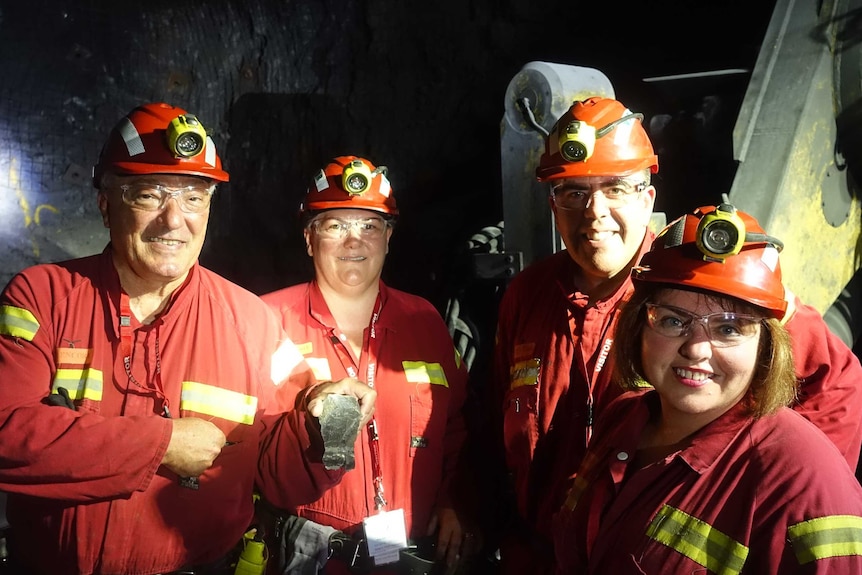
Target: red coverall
[[737, 500], [87, 493], [550, 337], [421, 386]]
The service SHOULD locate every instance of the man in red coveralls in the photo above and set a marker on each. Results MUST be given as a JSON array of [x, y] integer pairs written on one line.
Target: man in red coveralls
[[138, 391], [556, 325]]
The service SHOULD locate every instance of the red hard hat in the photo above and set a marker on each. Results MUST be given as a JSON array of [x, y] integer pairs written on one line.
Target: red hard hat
[[350, 182], [596, 137], [159, 139], [688, 253]]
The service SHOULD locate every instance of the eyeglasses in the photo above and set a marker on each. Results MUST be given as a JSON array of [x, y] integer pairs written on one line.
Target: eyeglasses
[[571, 196], [724, 328], [150, 197], [334, 228]]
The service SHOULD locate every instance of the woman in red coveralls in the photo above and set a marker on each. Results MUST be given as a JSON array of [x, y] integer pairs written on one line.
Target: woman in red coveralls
[[701, 467], [348, 323]]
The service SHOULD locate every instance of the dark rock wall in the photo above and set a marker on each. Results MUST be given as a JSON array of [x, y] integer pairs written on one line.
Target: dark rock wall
[[283, 85]]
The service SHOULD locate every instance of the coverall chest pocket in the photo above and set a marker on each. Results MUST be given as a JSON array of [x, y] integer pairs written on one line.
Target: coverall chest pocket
[[520, 424], [426, 427]]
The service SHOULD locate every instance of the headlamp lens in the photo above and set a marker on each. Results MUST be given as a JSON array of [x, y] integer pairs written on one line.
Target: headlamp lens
[[186, 136], [356, 183], [574, 151], [721, 233], [720, 237], [189, 144], [577, 141], [356, 177]]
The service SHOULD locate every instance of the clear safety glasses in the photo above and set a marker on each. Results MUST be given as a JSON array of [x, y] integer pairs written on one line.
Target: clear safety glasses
[[151, 197], [724, 328], [575, 196], [335, 228]]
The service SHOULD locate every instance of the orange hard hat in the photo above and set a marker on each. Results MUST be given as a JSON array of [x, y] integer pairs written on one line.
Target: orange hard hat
[[718, 249], [159, 139], [350, 182], [596, 137]]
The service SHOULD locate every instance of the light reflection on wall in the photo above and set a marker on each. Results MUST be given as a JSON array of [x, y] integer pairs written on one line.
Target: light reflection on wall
[[42, 218], [15, 210]]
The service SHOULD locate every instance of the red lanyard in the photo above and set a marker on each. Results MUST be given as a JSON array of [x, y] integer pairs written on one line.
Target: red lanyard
[[373, 435], [126, 350]]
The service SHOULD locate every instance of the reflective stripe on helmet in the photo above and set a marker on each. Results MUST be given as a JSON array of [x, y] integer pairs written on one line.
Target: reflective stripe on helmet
[[698, 540], [753, 274], [210, 152], [145, 142], [327, 190], [131, 137], [596, 137]]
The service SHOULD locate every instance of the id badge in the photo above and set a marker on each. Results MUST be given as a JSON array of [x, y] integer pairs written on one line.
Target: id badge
[[386, 535]]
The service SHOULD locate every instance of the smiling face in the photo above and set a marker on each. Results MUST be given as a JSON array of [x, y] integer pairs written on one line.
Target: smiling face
[[696, 380], [153, 250], [605, 235], [349, 247]]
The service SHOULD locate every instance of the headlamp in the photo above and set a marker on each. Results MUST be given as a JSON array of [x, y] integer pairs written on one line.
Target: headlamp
[[577, 141], [721, 233], [186, 136], [356, 177]]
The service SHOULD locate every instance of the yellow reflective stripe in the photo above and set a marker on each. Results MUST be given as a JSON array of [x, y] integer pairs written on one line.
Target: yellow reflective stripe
[[525, 373], [575, 491], [698, 540], [457, 358], [284, 361], [580, 484], [320, 368], [824, 537], [80, 383], [18, 322], [423, 372], [305, 348], [224, 403]]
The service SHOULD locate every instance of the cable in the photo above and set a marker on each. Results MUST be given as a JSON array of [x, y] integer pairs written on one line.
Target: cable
[[524, 106]]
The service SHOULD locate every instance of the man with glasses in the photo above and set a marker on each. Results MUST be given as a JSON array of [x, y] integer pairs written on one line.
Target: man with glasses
[[552, 372], [349, 323], [139, 392]]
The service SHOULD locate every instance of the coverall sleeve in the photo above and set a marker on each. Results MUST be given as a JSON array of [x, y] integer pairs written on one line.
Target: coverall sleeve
[[48, 451], [290, 467], [830, 376]]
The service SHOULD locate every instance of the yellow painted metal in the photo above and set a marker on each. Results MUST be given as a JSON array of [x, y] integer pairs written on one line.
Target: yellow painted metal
[[819, 259]]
